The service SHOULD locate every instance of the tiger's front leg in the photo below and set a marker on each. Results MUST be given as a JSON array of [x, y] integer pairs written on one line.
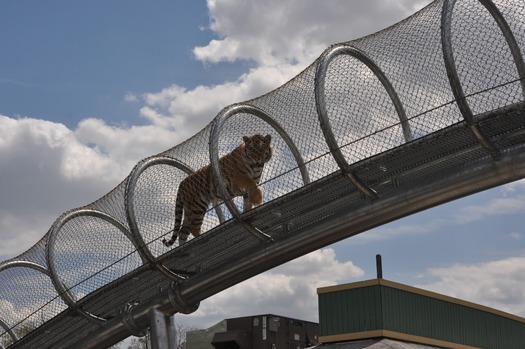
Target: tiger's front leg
[[252, 198], [250, 191]]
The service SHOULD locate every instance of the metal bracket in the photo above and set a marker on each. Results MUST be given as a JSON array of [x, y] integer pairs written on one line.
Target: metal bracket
[[129, 324]]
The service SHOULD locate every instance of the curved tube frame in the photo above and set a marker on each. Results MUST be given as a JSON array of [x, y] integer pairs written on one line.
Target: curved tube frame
[[8, 330], [450, 65], [25, 264], [320, 75], [62, 289], [130, 209], [218, 123], [20, 264]]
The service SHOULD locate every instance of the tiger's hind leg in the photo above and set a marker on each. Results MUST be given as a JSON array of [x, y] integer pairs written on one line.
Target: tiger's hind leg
[[179, 211], [183, 235], [192, 225]]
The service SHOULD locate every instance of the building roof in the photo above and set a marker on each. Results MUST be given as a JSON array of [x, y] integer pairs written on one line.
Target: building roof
[[384, 309], [381, 343]]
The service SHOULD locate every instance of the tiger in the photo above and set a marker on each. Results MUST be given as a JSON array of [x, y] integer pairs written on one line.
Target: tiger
[[241, 171]]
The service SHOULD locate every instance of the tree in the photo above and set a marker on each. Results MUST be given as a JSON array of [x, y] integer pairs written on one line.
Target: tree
[[140, 343], [181, 327]]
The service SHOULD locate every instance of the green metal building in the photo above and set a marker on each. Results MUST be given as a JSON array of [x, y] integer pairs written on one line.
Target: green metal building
[[378, 308]]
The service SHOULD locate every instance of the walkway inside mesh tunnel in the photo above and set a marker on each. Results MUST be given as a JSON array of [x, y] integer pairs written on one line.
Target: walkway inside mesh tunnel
[[374, 130]]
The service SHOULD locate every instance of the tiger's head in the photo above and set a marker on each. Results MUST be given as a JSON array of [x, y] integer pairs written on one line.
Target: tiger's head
[[257, 148]]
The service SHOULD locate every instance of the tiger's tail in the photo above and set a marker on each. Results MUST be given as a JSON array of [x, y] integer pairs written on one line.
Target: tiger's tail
[[179, 210]]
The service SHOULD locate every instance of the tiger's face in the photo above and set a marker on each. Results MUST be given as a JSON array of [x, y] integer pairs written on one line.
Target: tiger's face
[[258, 148]]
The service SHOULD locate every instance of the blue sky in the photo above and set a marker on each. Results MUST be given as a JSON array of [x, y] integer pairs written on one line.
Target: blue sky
[[87, 89], [70, 60]]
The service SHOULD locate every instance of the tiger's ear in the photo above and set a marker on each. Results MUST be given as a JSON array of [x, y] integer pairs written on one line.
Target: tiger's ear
[[268, 138]]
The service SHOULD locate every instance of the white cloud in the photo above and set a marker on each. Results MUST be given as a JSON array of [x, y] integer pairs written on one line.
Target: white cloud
[[10, 312], [510, 200], [19, 230], [288, 290], [513, 187], [497, 284], [393, 231], [514, 235], [124, 147], [276, 31], [130, 97], [506, 200], [47, 148], [47, 169], [186, 111]]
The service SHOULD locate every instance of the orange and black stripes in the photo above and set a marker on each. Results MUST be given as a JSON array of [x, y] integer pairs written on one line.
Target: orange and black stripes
[[241, 170]]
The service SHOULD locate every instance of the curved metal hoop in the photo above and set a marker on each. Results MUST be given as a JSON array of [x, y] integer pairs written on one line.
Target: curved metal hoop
[[130, 209], [322, 113], [8, 330], [218, 123], [25, 264], [62, 289], [20, 264], [453, 76]]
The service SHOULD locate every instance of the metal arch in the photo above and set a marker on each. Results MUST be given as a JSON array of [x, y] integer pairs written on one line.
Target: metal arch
[[20, 264], [25, 264], [62, 289], [8, 330], [343, 49], [450, 64], [218, 123], [250, 109], [320, 75], [130, 209]]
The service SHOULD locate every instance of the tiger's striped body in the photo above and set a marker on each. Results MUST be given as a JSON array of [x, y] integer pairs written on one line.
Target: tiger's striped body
[[241, 170]]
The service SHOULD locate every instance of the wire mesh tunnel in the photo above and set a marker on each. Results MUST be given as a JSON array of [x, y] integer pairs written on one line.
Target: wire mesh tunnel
[[440, 93]]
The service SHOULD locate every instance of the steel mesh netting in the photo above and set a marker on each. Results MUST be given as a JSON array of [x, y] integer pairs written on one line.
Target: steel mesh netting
[[410, 54], [154, 203], [484, 60], [93, 246], [33, 303]]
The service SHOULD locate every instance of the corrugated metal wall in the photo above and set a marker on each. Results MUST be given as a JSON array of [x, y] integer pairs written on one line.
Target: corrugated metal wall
[[349, 311], [408, 311]]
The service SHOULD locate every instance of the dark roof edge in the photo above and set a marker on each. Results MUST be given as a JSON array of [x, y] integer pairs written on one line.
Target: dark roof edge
[[420, 291], [392, 335]]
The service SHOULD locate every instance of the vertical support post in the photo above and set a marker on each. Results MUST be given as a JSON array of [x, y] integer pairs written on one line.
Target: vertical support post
[[163, 335], [379, 267]]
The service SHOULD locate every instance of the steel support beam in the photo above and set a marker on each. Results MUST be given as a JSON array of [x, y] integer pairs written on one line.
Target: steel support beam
[[400, 202], [163, 335], [137, 319], [397, 203]]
